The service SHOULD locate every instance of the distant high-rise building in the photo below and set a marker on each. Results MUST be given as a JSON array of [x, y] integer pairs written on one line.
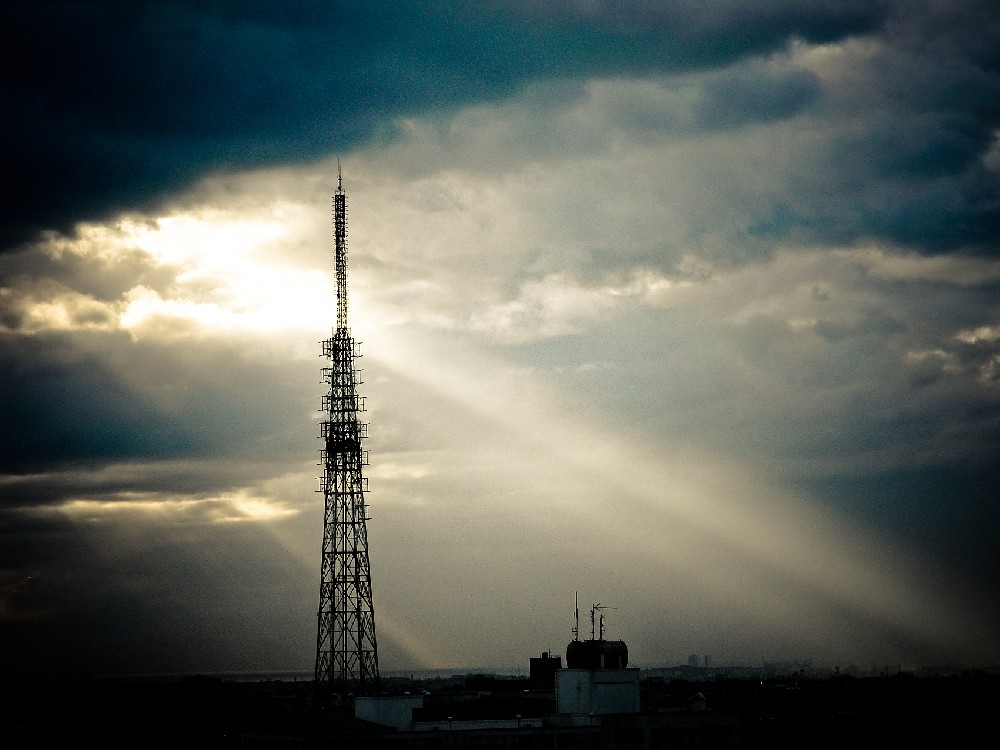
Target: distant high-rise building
[[693, 660], [346, 651]]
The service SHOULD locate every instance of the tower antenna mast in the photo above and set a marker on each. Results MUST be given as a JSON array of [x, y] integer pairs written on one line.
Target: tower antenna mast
[[595, 632], [576, 617], [346, 650]]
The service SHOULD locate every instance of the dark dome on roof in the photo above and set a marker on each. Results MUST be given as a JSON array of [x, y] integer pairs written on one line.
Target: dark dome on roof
[[597, 655]]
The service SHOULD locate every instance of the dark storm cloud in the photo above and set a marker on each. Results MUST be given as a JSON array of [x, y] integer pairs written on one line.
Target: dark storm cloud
[[124, 480], [134, 596], [64, 405], [112, 105], [929, 103], [754, 96], [73, 398]]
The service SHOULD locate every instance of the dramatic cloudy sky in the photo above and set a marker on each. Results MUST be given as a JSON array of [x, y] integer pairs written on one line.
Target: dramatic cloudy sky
[[692, 308]]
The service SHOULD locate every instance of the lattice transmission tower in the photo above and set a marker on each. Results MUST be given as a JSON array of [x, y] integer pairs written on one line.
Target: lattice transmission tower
[[346, 651]]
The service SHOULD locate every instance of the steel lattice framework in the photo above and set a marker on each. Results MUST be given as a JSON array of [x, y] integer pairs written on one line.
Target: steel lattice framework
[[346, 651]]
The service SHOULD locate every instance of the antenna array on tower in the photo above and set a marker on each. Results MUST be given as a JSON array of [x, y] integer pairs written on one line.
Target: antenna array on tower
[[346, 651]]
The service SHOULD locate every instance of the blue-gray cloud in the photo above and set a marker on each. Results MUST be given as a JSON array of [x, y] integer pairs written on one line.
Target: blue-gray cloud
[[111, 105], [74, 399], [753, 96]]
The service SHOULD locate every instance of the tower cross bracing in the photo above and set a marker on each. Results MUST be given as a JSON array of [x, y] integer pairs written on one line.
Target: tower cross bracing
[[346, 650]]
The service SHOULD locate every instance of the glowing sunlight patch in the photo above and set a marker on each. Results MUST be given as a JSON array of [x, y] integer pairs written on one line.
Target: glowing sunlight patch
[[95, 510], [254, 509], [232, 507], [205, 271], [233, 274]]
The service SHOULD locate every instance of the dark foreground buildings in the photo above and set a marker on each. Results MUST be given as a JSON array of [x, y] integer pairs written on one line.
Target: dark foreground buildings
[[678, 708]]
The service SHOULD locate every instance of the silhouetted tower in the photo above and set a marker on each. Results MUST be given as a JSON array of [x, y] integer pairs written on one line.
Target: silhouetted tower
[[346, 652]]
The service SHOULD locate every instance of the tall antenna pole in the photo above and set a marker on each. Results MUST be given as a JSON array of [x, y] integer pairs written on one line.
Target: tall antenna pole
[[340, 248], [346, 651], [576, 617], [594, 631]]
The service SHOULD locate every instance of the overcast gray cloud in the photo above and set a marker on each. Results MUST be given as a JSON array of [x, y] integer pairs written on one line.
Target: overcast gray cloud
[[690, 308]]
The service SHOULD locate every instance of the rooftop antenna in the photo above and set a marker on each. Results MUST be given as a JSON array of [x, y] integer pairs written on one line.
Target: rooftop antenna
[[597, 624], [576, 616], [340, 176]]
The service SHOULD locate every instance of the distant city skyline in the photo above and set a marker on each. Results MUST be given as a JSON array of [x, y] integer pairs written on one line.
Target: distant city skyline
[[691, 308]]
